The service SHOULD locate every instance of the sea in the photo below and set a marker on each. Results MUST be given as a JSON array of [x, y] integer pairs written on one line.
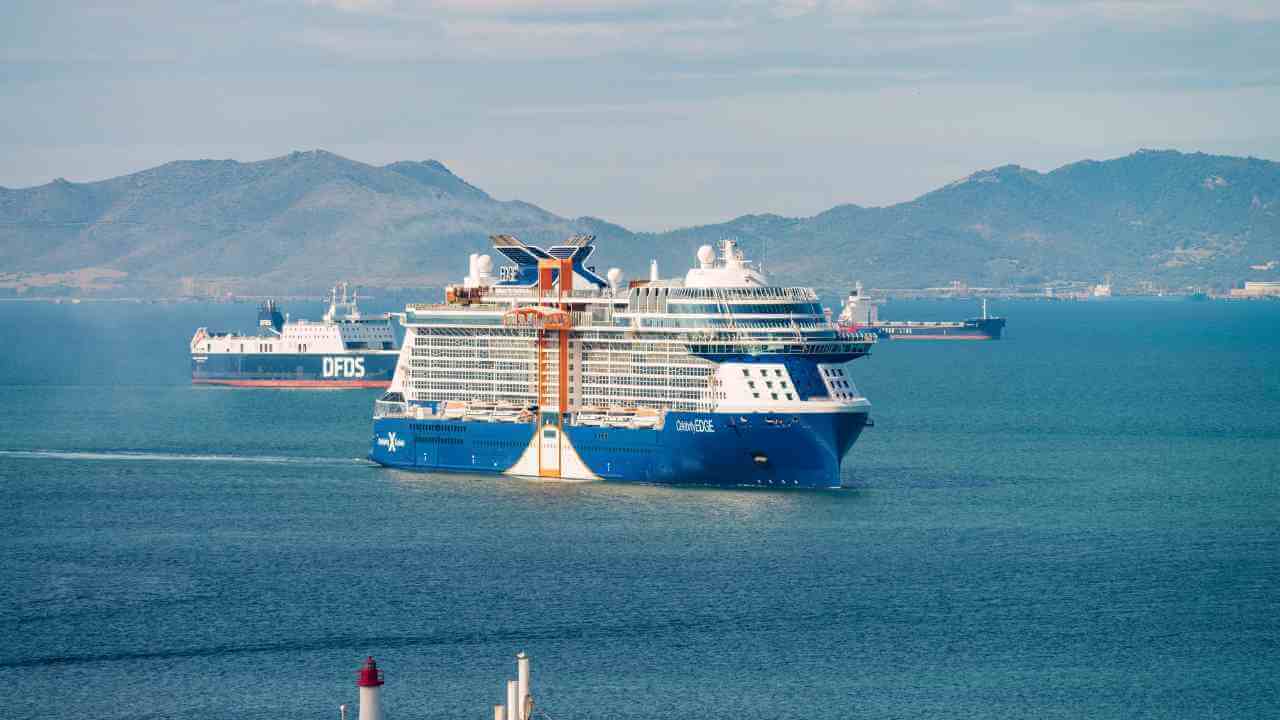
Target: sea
[[1081, 520]]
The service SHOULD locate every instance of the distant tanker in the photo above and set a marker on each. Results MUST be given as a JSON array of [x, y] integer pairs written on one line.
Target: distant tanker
[[860, 314]]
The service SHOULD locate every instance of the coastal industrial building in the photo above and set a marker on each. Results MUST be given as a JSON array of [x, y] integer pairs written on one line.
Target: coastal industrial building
[[1254, 289]]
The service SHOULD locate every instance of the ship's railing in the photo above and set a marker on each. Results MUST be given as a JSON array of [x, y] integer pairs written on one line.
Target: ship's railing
[[780, 348], [924, 323], [868, 337], [519, 291], [455, 307], [384, 409], [816, 334], [742, 343], [770, 293]]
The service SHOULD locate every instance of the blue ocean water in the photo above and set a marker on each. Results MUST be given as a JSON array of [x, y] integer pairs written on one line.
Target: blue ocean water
[[1081, 520]]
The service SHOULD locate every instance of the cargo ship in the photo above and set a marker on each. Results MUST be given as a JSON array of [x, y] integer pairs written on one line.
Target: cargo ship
[[861, 314], [345, 349], [548, 370]]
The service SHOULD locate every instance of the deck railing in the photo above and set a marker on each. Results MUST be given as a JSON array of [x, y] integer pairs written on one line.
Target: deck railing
[[382, 409]]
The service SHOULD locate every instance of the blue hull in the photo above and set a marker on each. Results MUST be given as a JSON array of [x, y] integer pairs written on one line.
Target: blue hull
[[766, 449], [352, 370]]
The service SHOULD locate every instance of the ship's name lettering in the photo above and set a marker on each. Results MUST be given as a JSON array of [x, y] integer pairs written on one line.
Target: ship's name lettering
[[344, 367], [695, 426], [391, 442]]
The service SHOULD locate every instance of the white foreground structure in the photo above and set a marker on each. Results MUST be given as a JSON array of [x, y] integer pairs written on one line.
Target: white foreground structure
[[369, 681]]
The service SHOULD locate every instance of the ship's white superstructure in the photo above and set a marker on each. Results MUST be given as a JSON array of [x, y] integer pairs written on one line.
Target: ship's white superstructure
[[342, 329], [660, 344]]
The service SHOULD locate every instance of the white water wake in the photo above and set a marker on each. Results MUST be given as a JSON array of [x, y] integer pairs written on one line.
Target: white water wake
[[150, 456]]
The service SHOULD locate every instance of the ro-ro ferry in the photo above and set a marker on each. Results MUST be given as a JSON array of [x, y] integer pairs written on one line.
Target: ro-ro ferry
[[344, 350], [547, 369]]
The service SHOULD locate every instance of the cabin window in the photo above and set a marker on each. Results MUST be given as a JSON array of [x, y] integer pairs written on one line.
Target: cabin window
[[775, 396], [788, 396]]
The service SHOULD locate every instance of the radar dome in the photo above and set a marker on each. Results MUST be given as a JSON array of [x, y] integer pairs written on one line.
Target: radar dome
[[706, 255], [614, 276], [484, 264]]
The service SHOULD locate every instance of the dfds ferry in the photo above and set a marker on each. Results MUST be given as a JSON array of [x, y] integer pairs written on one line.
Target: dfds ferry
[[343, 350], [549, 370]]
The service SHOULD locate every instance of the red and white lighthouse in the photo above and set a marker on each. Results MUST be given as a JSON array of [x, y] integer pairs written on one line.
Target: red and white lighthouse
[[369, 680]]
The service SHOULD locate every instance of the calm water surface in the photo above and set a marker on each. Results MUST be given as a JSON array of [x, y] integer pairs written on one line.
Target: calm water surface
[[1082, 520]]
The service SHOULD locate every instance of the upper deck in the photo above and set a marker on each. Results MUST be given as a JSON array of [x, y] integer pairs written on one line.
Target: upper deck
[[342, 329], [719, 308]]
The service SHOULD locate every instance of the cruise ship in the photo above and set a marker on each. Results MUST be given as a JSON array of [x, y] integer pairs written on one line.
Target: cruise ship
[[345, 349], [548, 370]]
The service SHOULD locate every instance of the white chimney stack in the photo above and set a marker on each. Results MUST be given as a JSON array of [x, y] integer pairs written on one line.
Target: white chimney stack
[[522, 689], [653, 270], [513, 710]]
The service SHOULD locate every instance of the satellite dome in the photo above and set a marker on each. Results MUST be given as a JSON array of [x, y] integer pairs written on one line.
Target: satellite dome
[[484, 264], [706, 255], [614, 276]]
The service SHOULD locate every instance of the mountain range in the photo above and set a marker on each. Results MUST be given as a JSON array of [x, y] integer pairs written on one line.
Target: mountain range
[[297, 223]]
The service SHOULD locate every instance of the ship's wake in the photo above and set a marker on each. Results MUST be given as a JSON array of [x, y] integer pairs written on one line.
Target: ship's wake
[[154, 456]]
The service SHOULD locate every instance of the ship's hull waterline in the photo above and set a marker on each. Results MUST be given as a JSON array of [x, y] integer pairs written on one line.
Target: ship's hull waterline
[[724, 449], [290, 370]]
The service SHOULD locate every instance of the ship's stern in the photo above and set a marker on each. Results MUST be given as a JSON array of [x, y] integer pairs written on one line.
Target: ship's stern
[[392, 443]]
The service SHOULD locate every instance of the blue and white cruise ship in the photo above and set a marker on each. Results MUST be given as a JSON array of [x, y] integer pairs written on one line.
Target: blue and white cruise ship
[[550, 370]]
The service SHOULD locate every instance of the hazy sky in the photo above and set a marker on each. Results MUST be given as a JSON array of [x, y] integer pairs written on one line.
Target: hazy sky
[[653, 115]]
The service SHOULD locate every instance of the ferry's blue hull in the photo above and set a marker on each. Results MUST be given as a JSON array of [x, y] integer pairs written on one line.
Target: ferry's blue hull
[[342, 370], [762, 449]]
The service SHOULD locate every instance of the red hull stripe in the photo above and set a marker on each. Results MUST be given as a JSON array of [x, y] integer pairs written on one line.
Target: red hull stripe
[[295, 383]]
